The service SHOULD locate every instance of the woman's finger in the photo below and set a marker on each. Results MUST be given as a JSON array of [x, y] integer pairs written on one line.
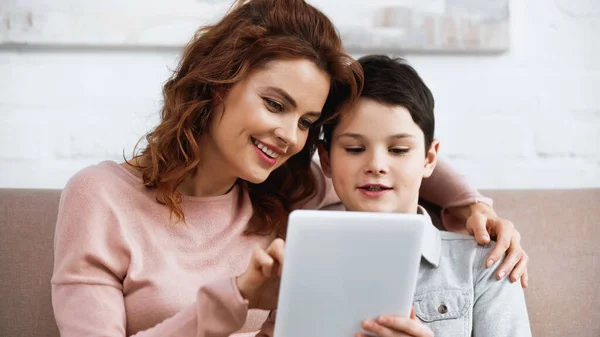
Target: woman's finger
[[507, 267], [277, 249], [264, 262], [520, 269], [525, 278], [476, 225], [504, 231]]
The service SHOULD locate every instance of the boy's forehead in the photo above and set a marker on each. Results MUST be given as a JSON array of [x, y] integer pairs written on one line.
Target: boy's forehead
[[367, 113], [374, 121]]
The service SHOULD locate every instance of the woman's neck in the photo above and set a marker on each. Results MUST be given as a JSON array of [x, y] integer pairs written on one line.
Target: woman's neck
[[205, 184], [213, 176]]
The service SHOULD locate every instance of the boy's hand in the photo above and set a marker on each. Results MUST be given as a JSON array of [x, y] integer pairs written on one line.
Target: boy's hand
[[484, 223], [259, 284], [395, 326]]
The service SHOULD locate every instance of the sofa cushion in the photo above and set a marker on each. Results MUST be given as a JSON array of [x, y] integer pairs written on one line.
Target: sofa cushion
[[561, 233], [27, 220], [560, 230]]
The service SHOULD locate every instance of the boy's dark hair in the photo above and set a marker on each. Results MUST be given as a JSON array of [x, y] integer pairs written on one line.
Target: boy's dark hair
[[394, 82]]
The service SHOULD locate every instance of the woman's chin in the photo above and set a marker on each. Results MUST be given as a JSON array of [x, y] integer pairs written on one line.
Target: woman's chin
[[256, 177], [257, 174]]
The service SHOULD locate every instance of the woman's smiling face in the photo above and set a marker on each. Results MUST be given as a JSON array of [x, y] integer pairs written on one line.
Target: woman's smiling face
[[265, 119]]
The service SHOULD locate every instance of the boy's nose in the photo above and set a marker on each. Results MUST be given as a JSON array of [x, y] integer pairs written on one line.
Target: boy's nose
[[377, 164]]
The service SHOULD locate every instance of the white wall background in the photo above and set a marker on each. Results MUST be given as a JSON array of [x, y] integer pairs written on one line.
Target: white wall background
[[528, 118]]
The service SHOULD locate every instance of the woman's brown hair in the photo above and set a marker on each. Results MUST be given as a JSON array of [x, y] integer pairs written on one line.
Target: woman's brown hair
[[252, 34]]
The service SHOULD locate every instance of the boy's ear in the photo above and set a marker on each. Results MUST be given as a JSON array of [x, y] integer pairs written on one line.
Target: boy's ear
[[431, 158], [324, 158]]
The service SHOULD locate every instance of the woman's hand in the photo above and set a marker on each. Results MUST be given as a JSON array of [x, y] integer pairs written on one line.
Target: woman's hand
[[484, 223], [395, 326], [259, 284]]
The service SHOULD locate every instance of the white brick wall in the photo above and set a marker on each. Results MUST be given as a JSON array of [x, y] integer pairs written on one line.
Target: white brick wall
[[524, 119]]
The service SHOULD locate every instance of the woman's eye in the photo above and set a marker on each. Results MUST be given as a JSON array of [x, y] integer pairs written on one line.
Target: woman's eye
[[354, 150], [305, 124], [399, 150], [274, 105]]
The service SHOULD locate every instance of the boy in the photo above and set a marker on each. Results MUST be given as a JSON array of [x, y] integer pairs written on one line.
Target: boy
[[377, 156]]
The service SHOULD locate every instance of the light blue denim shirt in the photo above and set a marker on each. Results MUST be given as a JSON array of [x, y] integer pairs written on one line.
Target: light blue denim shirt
[[457, 296]]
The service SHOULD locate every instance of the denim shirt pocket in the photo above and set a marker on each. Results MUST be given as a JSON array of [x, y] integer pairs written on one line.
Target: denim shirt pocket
[[445, 311]]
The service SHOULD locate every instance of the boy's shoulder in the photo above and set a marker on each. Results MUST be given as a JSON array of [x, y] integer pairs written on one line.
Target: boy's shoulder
[[464, 247], [464, 239]]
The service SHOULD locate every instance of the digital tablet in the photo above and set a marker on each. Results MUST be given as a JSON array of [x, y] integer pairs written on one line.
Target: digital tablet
[[343, 267]]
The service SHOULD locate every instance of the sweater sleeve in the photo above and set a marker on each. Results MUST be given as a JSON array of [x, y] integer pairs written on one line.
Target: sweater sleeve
[[91, 261], [446, 188]]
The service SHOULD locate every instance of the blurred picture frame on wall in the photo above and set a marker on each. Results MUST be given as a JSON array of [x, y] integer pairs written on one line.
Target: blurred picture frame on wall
[[394, 26], [422, 26]]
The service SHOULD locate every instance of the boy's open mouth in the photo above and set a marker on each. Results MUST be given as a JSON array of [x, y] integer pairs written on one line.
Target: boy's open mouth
[[375, 188]]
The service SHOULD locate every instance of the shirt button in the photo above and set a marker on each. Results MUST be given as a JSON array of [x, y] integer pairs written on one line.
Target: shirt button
[[442, 309]]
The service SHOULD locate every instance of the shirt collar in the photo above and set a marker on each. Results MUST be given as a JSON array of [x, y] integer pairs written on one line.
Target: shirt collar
[[432, 241]]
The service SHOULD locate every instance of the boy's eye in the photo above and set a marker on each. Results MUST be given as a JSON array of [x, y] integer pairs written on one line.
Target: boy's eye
[[354, 150], [274, 105], [399, 150]]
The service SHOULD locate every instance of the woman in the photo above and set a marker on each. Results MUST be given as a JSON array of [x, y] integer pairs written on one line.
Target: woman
[[152, 246]]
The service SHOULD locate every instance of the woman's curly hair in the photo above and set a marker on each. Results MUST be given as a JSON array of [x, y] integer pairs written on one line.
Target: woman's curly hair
[[250, 35]]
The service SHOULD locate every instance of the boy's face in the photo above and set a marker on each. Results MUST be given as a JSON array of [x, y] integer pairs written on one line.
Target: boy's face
[[377, 159]]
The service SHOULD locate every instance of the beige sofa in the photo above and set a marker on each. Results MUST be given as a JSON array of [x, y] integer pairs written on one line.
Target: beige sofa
[[560, 228]]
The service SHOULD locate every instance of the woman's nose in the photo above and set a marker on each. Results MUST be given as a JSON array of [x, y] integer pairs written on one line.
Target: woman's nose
[[287, 134]]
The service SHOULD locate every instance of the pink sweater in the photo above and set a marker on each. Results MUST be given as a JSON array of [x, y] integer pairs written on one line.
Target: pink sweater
[[122, 269]]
